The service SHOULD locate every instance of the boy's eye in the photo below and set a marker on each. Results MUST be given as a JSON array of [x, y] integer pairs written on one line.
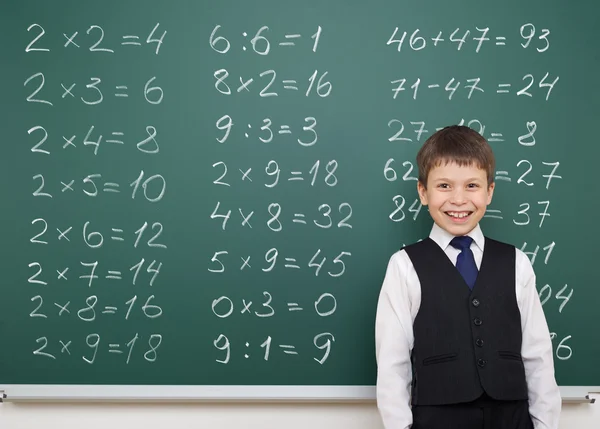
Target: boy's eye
[[473, 185], [443, 185]]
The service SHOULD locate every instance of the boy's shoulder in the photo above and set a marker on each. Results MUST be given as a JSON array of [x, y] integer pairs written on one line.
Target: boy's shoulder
[[521, 258], [520, 254], [418, 243], [498, 243], [422, 245], [425, 247]]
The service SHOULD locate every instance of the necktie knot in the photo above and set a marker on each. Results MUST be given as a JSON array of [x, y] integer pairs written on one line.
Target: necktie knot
[[462, 242]]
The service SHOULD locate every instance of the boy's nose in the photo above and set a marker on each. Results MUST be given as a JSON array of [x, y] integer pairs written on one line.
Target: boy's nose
[[458, 197]]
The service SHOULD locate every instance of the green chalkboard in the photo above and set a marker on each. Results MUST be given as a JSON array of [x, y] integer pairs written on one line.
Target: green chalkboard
[[208, 193]]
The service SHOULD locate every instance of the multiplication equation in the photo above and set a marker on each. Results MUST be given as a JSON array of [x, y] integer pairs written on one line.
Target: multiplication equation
[[93, 184], [95, 274], [322, 219], [94, 343], [91, 311], [267, 84], [148, 233], [94, 92], [319, 172], [223, 307], [528, 38], [93, 40], [94, 139], [272, 260]]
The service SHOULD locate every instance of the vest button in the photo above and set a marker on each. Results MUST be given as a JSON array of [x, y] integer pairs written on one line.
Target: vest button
[[479, 342], [481, 362], [477, 321], [475, 302]]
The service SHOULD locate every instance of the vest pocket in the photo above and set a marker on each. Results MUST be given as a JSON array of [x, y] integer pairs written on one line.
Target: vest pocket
[[439, 358], [510, 355]]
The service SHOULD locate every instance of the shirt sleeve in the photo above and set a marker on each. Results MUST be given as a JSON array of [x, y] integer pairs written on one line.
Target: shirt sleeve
[[544, 395], [393, 339]]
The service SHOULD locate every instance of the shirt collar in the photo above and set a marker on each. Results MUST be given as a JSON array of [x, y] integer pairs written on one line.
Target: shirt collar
[[443, 237]]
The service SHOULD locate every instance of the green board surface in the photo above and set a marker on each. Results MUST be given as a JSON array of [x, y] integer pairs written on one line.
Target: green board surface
[[209, 193]]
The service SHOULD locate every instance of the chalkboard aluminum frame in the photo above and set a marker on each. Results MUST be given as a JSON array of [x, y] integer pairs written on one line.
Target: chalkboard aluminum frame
[[170, 393]]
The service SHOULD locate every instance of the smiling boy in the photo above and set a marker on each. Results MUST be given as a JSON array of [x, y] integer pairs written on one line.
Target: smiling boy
[[461, 338]]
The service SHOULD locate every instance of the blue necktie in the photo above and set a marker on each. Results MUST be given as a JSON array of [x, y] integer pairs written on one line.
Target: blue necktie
[[465, 263]]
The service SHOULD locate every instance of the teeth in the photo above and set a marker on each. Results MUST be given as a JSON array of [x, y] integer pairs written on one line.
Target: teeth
[[458, 214]]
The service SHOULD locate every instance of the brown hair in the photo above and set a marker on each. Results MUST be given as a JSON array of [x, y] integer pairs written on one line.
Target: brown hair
[[459, 144]]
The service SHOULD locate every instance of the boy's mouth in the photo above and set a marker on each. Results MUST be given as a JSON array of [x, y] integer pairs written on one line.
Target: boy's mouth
[[458, 216]]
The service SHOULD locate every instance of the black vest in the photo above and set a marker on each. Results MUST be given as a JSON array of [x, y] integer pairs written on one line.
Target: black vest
[[466, 342]]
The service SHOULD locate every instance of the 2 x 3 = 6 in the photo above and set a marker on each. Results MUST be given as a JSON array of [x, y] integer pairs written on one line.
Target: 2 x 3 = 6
[[95, 91]]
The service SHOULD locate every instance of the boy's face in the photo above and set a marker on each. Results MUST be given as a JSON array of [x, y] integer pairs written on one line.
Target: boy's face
[[457, 196]]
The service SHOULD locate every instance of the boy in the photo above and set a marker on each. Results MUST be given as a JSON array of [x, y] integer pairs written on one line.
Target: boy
[[461, 338]]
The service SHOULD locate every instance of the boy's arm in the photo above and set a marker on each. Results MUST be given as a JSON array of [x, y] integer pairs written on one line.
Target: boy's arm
[[544, 395], [393, 335]]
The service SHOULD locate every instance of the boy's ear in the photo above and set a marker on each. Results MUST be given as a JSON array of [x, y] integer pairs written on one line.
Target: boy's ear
[[422, 190], [490, 192]]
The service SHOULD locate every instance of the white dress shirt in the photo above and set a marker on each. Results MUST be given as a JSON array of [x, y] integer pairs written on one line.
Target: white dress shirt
[[397, 308]]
